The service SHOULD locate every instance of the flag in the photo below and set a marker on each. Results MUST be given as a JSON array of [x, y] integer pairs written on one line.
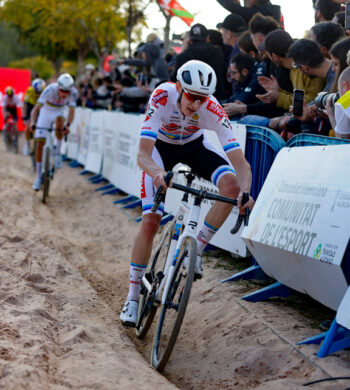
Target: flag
[[172, 7]]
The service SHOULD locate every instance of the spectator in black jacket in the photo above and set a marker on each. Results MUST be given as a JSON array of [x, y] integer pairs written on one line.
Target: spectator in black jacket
[[200, 49], [252, 7], [231, 29]]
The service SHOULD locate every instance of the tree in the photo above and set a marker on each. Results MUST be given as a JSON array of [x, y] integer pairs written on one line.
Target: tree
[[58, 27]]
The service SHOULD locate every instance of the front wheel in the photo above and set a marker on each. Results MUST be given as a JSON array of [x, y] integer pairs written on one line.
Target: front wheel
[[173, 311], [46, 175], [155, 272]]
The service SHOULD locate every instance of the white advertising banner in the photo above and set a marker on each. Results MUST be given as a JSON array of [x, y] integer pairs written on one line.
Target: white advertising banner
[[343, 314], [73, 136], [110, 136], [300, 225], [125, 173], [223, 238], [84, 130], [95, 145]]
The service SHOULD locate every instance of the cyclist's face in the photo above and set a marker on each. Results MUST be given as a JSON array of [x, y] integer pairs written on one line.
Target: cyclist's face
[[63, 94], [189, 104]]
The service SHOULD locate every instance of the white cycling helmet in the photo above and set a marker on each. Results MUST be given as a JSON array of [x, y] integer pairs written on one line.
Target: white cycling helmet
[[65, 82], [197, 77], [38, 85]]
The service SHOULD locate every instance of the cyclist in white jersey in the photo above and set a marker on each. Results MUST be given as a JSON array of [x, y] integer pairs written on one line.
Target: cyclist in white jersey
[[171, 133], [51, 109]]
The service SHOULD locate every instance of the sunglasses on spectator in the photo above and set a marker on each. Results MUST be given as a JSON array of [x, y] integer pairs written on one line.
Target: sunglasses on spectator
[[296, 66], [194, 98]]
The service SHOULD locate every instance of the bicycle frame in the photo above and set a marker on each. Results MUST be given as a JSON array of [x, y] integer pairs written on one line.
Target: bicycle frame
[[48, 145], [188, 216]]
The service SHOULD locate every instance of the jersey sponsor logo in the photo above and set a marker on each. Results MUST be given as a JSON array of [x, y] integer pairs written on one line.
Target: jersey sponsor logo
[[195, 117], [216, 109], [232, 140], [160, 97], [192, 129], [171, 127], [146, 128]]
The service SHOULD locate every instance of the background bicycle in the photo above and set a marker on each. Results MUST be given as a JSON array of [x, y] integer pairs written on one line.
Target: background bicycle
[[168, 280]]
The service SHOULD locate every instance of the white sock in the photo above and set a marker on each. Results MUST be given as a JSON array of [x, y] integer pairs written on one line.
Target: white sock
[[58, 147], [136, 274], [204, 236], [38, 170]]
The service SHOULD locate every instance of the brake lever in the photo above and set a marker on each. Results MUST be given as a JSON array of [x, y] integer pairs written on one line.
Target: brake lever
[[159, 196]]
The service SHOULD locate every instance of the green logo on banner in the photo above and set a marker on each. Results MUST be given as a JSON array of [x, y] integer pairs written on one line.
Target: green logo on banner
[[318, 251]]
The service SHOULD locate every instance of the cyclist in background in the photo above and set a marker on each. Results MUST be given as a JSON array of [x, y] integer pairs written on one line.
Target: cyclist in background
[[50, 109], [30, 98], [173, 132], [10, 104]]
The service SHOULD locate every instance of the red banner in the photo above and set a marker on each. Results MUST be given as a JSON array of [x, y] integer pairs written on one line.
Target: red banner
[[20, 80]]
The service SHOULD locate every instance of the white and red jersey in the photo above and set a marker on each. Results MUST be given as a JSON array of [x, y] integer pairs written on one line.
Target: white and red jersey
[[165, 122], [11, 102], [50, 97]]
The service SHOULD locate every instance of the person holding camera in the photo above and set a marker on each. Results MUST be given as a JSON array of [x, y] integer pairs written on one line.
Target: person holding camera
[[339, 113]]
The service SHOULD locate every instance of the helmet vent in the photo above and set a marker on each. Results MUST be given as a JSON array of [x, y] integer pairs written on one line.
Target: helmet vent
[[186, 76]]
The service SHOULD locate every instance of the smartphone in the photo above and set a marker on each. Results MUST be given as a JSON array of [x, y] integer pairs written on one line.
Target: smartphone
[[298, 102], [347, 16]]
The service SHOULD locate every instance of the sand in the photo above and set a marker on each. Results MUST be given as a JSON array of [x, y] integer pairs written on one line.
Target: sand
[[64, 277]]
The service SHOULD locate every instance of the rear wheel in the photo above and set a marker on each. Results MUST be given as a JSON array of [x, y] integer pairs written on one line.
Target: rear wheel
[[155, 271], [173, 311], [46, 175]]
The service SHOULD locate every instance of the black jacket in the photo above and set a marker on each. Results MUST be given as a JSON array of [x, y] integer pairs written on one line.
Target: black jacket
[[248, 12], [211, 55]]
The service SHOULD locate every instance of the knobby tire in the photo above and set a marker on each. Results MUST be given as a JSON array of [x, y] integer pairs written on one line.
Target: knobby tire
[[148, 306], [170, 319]]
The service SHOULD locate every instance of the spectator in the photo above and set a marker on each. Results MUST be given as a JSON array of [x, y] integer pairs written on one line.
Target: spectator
[[200, 49], [102, 93], [246, 45], [259, 27], [339, 53], [253, 7], [340, 116], [325, 10], [339, 17], [326, 34], [151, 58], [243, 70], [231, 29]]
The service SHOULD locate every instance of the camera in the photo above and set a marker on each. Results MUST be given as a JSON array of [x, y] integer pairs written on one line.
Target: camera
[[322, 99]]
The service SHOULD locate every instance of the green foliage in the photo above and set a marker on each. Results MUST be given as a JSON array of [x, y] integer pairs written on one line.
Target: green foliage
[[39, 65], [10, 47]]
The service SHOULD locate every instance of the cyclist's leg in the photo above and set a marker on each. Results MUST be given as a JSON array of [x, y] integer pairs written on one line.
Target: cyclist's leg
[[28, 133], [59, 125], [142, 247], [218, 170]]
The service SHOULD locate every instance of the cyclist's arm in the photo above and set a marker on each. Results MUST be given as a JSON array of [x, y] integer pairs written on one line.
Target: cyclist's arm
[[70, 115], [34, 114]]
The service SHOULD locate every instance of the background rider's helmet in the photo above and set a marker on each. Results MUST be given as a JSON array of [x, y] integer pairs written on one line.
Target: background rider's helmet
[[38, 85], [65, 82], [9, 91], [197, 77]]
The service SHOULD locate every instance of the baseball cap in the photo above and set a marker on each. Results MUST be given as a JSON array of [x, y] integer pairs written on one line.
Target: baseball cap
[[198, 32], [234, 23]]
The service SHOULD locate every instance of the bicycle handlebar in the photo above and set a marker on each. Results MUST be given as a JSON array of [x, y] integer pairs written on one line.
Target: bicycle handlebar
[[159, 197]]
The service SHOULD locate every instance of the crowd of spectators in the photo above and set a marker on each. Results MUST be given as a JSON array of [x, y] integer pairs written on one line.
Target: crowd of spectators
[[258, 66]]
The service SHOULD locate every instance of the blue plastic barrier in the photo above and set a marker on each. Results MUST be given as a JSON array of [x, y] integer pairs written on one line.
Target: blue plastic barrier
[[304, 139], [262, 147]]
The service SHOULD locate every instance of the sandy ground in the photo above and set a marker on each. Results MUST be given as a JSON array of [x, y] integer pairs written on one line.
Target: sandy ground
[[63, 279]]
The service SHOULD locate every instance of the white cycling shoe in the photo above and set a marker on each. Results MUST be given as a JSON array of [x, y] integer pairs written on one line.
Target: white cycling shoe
[[198, 270], [37, 184], [128, 316], [58, 161], [26, 149]]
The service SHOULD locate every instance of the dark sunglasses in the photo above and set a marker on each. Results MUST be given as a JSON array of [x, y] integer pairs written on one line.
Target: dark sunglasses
[[194, 98], [63, 91]]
